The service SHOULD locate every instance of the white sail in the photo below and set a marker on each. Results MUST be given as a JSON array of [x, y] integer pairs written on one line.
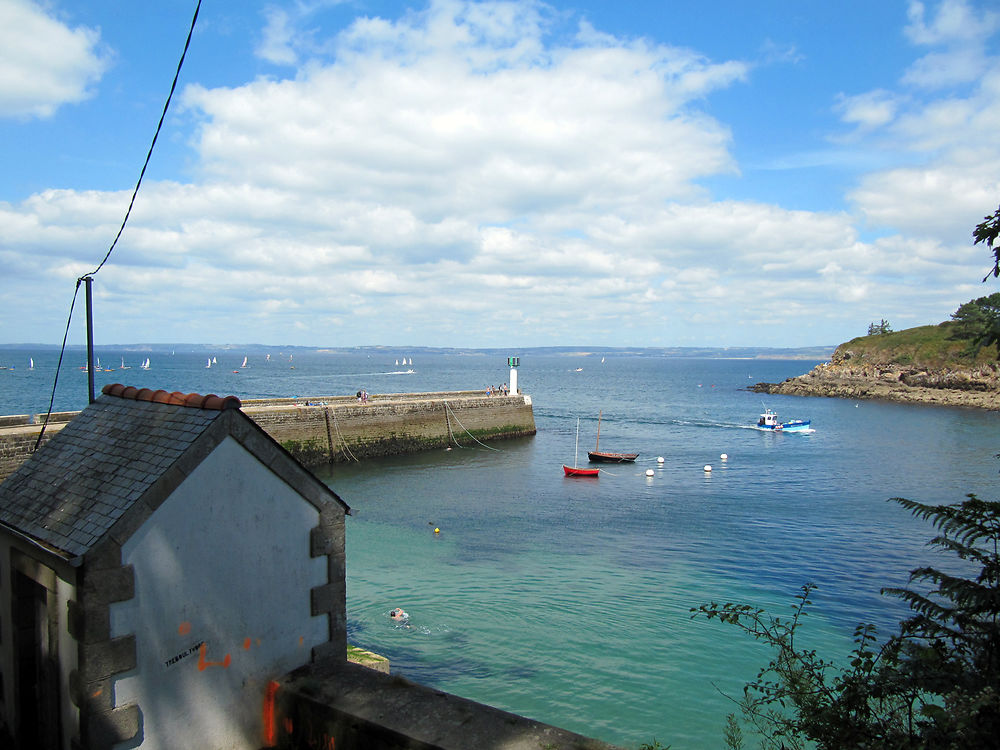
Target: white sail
[[244, 362], [31, 363], [209, 363]]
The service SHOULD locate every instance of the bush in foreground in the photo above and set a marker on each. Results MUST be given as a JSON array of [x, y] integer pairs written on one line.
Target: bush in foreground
[[934, 684]]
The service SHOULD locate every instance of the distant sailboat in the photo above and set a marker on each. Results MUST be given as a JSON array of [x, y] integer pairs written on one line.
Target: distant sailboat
[[215, 361], [244, 362], [411, 361], [31, 363], [209, 364], [145, 364], [124, 366], [267, 358], [397, 361]]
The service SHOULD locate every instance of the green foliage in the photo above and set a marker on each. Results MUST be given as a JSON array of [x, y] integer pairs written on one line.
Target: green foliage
[[979, 322], [879, 329], [935, 684], [987, 232], [733, 733], [932, 347]]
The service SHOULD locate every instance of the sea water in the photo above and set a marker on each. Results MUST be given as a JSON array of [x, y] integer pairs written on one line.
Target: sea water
[[568, 599]]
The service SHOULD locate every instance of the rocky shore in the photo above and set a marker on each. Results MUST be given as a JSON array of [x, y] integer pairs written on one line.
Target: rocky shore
[[857, 376]]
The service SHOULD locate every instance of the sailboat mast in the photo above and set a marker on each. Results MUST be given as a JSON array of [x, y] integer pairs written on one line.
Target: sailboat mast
[[576, 453]]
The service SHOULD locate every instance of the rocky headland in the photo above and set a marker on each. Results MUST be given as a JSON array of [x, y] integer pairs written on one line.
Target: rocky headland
[[903, 369]]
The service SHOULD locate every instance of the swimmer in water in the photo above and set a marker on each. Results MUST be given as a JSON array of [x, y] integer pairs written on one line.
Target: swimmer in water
[[399, 615]]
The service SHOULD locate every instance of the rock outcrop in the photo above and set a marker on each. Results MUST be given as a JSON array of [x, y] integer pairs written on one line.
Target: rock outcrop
[[863, 374]]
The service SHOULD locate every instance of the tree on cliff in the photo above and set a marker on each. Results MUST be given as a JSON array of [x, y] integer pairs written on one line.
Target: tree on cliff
[[979, 321], [877, 329], [987, 232], [934, 684]]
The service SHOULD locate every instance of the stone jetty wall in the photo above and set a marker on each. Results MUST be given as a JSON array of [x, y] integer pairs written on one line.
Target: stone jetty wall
[[331, 429]]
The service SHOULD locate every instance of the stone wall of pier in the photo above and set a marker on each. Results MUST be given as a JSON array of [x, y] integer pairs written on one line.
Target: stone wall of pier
[[331, 429]]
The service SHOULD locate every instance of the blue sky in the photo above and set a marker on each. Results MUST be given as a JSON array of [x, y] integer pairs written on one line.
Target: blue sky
[[496, 174]]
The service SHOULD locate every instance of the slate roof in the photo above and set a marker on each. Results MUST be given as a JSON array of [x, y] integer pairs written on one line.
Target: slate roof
[[71, 492]]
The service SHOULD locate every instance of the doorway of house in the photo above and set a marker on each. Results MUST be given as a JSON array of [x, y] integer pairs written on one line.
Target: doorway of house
[[37, 672]]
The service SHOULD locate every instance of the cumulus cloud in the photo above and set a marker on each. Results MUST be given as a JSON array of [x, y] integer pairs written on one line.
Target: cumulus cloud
[[43, 62], [481, 174], [869, 110]]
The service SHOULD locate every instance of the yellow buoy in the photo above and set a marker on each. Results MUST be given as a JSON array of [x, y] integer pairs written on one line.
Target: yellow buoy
[[437, 530]]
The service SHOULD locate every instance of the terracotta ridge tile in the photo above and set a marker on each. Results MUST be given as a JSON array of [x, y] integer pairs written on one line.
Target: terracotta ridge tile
[[176, 398]]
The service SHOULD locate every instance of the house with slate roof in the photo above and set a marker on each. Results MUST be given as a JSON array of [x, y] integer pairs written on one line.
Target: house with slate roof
[[162, 561]]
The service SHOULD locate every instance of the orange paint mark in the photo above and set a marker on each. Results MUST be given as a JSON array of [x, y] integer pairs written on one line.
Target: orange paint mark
[[302, 639], [270, 694], [246, 644], [184, 628], [289, 726], [97, 692], [204, 664]]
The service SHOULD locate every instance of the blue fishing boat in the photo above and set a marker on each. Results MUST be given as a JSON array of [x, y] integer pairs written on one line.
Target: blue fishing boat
[[769, 421]]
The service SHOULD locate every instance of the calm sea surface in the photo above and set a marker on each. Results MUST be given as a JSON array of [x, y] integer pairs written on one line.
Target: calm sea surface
[[567, 600]]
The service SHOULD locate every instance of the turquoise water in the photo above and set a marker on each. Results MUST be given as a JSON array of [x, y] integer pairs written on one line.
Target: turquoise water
[[567, 600]]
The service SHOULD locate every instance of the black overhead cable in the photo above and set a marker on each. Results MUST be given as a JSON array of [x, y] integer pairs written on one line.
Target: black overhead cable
[[149, 154], [142, 173]]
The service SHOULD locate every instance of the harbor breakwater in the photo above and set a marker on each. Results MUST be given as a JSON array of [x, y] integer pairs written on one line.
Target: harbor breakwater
[[331, 429]]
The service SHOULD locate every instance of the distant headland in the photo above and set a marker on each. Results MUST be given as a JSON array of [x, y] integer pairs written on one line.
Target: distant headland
[[813, 353], [923, 365]]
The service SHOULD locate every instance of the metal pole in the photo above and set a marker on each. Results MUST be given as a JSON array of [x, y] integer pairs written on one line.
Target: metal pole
[[90, 337]]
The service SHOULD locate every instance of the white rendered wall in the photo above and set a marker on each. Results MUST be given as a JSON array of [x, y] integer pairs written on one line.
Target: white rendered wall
[[222, 604]]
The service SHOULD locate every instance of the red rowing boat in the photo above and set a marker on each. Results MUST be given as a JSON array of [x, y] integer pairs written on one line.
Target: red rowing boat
[[574, 470]]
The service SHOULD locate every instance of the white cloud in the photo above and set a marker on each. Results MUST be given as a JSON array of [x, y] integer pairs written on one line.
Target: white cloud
[[869, 110], [43, 62], [464, 172]]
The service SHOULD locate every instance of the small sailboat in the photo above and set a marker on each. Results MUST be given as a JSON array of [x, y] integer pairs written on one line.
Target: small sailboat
[[145, 364], [397, 361], [244, 363], [31, 363], [599, 456], [215, 361], [125, 366], [209, 363], [575, 470], [267, 358]]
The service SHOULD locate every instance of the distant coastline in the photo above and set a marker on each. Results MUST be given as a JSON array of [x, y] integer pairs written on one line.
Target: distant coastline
[[808, 353]]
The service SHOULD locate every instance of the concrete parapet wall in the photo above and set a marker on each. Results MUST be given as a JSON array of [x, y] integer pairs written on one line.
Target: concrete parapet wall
[[351, 707]]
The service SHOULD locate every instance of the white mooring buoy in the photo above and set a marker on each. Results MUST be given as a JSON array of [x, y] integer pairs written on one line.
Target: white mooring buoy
[[659, 460], [650, 472], [708, 468], [724, 456]]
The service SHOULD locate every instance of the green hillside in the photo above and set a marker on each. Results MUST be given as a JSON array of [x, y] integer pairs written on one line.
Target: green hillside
[[925, 347]]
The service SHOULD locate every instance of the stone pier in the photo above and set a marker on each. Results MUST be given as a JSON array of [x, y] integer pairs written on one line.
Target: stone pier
[[331, 429]]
